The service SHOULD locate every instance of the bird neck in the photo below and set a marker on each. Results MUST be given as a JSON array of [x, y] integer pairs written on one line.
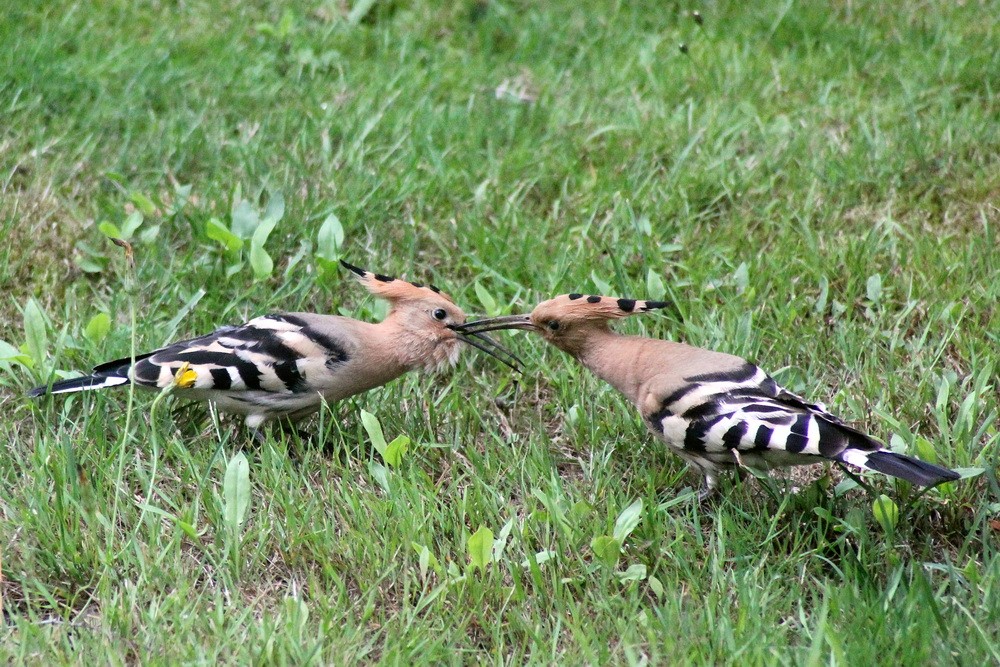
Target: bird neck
[[612, 357]]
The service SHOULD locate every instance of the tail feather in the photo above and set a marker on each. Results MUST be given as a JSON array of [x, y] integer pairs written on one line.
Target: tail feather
[[121, 366], [79, 384], [908, 468]]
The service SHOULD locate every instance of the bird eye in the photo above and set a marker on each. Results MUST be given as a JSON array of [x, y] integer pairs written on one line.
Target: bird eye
[[440, 314], [553, 325]]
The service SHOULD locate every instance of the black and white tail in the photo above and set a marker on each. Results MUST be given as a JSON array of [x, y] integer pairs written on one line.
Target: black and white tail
[[902, 466], [109, 374], [743, 414]]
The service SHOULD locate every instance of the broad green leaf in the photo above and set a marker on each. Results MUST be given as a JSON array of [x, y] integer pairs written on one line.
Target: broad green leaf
[[886, 512], [149, 234], [897, 443], [572, 415], [244, 219], [9, 353], [275, 209], [480, 547], [655, 585], [132, 223], [143, 203], [215, 230], [873, 288], [90, 259], [236, 490], [260, 261], [263, 230], [110, 230], [326, 267], [35, 331], [381, 475], [91, 264], [655, 289], [374, 430], [543, 556], [395, 451], [424, 561], [628, 520], [635, 572], [485, 298], [844, 486], [607, 549], [925, 450], [330, 239], [98, 327]]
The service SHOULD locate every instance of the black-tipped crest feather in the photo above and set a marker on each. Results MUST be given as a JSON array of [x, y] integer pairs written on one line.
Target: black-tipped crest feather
[[350, 267]]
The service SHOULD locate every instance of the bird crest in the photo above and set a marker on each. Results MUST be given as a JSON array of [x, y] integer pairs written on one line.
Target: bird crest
[[581, 307], [392, 288]]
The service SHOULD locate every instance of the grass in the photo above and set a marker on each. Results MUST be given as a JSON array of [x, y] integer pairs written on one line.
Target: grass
[[815, 186]]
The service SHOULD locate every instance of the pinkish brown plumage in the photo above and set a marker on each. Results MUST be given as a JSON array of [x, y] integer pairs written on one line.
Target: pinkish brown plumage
[[285, 366], [713, 409]]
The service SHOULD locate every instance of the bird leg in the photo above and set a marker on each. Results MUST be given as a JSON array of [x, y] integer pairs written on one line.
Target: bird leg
[[708, 489]]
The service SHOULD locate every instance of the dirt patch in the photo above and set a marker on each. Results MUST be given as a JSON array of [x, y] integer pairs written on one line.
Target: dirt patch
[[41, 232]]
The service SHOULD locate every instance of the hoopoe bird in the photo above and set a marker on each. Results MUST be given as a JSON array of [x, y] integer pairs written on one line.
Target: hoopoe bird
[[715, 410], [285, 366]]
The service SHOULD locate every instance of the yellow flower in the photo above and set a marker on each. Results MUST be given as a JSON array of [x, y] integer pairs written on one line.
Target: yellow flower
[[185, 377]]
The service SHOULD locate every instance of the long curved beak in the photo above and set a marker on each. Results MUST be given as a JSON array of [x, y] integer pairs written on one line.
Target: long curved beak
[[484, 343], [497, 324]]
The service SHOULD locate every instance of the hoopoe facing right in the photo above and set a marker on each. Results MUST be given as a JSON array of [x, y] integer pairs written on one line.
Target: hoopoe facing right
[[715, 410], [285, 366]]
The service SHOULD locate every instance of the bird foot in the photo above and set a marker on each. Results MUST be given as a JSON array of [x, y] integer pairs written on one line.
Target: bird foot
[[706, 493]]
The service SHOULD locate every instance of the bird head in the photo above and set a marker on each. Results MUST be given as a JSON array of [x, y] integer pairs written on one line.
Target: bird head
[[565, 321], [427, 321]]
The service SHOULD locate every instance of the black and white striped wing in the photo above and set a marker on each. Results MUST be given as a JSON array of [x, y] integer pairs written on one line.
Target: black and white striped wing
[[274, 353], [747, 411]]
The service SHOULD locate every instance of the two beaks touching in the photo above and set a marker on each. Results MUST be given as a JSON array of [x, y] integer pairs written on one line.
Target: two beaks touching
[[715, 410]]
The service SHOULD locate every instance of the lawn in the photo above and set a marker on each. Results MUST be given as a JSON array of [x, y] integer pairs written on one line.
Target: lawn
[[814, 185]]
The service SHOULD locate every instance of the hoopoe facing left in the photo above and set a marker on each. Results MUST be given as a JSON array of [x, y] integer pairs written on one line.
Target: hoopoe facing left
[[715, 410], [285, 366]]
